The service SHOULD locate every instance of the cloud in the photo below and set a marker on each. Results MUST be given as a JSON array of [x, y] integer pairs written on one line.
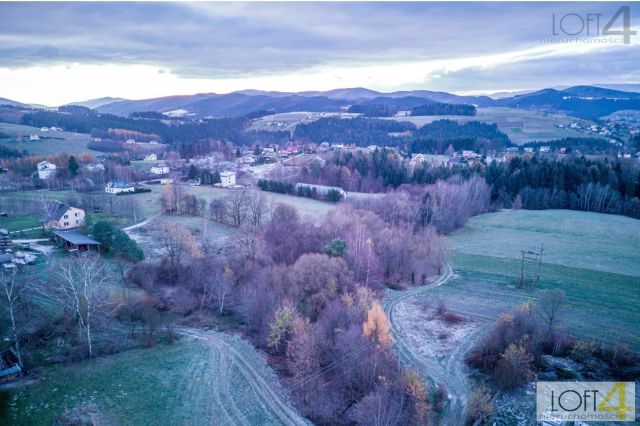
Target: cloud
[[289, 44]]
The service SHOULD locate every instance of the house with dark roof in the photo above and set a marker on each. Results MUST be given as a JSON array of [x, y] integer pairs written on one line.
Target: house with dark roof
[[61, 216], [74, 241]]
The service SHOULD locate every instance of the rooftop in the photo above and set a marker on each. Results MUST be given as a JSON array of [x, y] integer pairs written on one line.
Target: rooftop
[[55, 210], [75, 237]]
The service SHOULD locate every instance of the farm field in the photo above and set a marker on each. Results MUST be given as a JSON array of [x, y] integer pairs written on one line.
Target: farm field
[[206, 378], [522, 126], [55, 142], [593, 258], [287, 121]]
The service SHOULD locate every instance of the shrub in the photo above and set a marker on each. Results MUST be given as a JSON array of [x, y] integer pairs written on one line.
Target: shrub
[[480, 406], [514, 367], [582, 350]]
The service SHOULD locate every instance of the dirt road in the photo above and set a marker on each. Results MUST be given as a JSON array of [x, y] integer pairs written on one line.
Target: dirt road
[[450, 370], [233, 389]]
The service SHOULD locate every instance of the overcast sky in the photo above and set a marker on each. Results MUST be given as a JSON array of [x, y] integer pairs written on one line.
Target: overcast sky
[[54, 53]]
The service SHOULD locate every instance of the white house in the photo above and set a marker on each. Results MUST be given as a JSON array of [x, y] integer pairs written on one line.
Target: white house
[[34, 138], [151, 157], [228, 178], [94, 167], [46, 170], [153, 143], [61, 216], [159, 169], [117, 187], [130, 141]]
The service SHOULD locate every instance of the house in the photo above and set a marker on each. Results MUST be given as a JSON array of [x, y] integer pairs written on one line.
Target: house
[[61, 216], [159, 169], [248, 159], [469, 155], [153, 143], [94, 167], [34, 138], [9, 366], [46, 170], [74, 241], [44, 129], [118, 186], [544, 149], [151, 157], [417, 159], [372, 148], [130, 141], [228, 178]]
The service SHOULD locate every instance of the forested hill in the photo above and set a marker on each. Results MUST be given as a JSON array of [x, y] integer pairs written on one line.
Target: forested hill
[[230, 129], [437, 136], [356, 131]]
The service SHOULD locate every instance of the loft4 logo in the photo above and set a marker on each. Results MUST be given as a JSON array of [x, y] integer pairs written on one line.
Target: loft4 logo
[[589, 25], [586, 401]]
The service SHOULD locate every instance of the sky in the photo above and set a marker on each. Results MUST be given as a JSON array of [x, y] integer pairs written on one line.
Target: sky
[[56, 53]]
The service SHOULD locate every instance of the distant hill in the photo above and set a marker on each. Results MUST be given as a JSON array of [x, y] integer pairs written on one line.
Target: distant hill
[[95, 103], [600, 93], [588, 102], [5, 101]]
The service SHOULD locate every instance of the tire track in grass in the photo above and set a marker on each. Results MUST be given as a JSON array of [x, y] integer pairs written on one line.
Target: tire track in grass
[[271, 404], [450, 371]]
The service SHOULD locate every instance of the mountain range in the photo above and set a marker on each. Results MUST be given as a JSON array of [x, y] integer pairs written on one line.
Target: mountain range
[[588, 102]]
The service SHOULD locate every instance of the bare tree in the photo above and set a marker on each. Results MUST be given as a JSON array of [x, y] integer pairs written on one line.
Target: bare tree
[[80, 287], [257, 205], [12, 291], [548, 306], [224, 287], [178, 241], [237, 209]]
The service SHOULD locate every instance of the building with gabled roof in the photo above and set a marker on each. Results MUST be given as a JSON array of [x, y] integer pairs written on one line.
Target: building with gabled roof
[[46, 170], [118, 186], [61, 216]]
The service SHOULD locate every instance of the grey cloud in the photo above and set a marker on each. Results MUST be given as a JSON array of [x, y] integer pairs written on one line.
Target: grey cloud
[[213, 40]]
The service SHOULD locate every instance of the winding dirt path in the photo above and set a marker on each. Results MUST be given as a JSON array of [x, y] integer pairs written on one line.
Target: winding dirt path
[[449, 371], [220, 389]]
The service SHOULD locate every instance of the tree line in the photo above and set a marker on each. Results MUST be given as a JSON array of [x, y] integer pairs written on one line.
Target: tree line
[[438, 108], [530, 182]]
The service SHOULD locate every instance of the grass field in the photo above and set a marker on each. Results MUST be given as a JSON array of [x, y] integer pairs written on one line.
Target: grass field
[[120, 385], [594, 258], [307, 208], [55, 142], [520, 125], [212, 379], [18, 223]]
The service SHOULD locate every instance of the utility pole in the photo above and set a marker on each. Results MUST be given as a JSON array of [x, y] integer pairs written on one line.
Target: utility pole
[[522, 271], [539, 263]]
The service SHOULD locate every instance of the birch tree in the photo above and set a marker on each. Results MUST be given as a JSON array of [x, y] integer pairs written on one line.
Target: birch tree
[[12, 291], [80, 287]]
